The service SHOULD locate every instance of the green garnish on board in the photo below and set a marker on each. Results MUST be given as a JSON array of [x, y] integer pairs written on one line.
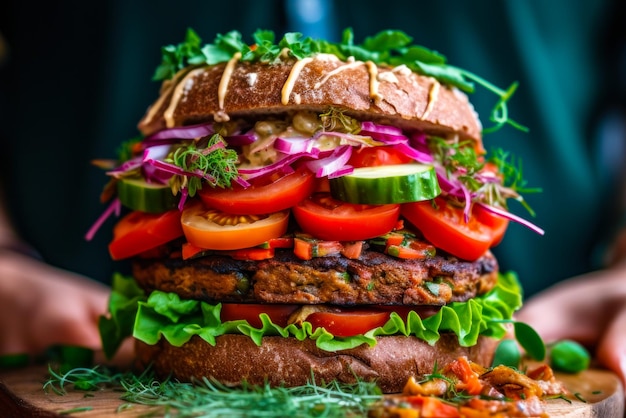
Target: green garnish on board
[[391, 47], [207, 398]]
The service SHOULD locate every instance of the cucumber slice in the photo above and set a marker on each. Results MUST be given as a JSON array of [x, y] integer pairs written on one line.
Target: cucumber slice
[[137, 194], [399, 183]]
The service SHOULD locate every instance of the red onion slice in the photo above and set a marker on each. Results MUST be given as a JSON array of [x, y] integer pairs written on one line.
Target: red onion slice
[[182, 132]]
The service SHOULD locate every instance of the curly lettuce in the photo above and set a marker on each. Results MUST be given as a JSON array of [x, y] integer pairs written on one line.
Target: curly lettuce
[[166, 315]]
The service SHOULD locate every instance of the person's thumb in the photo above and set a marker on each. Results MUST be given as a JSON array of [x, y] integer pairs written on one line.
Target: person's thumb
[[611, 351]]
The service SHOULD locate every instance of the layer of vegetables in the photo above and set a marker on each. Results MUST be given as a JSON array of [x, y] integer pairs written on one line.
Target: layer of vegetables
[[236, 188]]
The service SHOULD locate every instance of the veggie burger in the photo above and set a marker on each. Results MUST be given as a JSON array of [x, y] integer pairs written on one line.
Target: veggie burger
[[299, 209]]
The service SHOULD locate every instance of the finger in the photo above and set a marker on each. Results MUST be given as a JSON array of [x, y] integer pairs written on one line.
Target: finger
[[561, 313], [71, 323], [611, 351]]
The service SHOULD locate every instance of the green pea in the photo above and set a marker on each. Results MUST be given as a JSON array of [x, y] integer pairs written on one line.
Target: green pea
[[507, 354], [569, 356]]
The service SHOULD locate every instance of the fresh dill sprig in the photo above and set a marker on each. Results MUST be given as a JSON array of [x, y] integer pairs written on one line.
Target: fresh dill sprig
[[208, 398], [211, 161]]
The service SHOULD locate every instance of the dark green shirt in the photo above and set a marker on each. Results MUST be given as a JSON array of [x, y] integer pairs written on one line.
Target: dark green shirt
[[78, 80]]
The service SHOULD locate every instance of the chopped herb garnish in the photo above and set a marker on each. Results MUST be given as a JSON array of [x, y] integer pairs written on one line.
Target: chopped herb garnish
[[580, 397], [76, 410], [432, 288]]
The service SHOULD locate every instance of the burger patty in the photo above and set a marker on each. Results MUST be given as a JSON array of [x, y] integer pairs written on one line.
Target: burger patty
[[372, 279]]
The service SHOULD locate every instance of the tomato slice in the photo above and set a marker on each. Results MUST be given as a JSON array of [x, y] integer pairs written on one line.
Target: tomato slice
[[376, 156], [431, 407], [215, 230], [329, 219], [444, 226], [138, 232], [279, 314], [497, 223], [261, 198], [348, 322]]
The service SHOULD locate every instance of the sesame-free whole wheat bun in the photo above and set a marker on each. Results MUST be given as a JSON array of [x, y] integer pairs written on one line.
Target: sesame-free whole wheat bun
[[394, 95]]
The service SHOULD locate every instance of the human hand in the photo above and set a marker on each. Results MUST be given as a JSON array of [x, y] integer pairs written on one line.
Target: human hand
[[590, 309], [42, 306]]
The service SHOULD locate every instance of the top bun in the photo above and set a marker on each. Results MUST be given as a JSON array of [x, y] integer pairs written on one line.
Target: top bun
[[393, 95]]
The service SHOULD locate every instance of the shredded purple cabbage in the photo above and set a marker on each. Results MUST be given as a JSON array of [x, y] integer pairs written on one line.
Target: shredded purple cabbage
[[328, 163], [114, 207], [508, 215]]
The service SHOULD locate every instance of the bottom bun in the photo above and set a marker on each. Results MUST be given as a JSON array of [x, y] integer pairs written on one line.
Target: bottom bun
[[289, 362]]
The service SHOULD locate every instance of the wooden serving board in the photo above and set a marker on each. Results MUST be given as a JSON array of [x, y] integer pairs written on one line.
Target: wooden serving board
[[22, 395]]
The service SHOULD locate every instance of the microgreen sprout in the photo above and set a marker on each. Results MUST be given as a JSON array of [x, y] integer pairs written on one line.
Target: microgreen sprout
[[211, 160], [208, 398], [461, 163]]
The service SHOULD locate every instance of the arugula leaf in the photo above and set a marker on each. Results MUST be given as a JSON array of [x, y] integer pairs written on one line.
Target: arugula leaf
[[444, 73], [386, 41], [177, 57]]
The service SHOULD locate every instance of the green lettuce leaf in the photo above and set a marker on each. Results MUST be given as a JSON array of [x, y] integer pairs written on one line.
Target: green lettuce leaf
[[123, 301], [165, 315]]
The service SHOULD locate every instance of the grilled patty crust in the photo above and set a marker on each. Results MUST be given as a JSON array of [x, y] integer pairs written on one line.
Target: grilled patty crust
[[373, 278]]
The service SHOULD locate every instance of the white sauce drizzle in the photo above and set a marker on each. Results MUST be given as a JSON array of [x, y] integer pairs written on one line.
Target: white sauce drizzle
[[226, 75], [373, 72], [291, 79], [171, 84], [181, 87], [433, 94], [336, 71]]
